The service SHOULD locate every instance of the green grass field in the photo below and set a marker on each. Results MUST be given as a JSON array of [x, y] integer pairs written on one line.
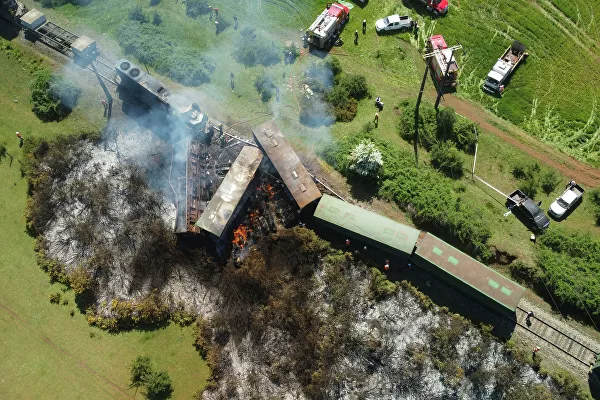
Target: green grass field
[[46, 353]]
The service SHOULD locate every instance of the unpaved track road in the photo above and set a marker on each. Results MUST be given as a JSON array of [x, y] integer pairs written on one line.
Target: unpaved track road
[[544, 153]]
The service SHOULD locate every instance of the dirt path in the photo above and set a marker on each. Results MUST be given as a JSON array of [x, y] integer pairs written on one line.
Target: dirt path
[[27, 326], [542, 152]]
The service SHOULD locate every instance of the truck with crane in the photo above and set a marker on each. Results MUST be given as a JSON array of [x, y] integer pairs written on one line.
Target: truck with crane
[[442, 61], [326, 29], [504, 67]]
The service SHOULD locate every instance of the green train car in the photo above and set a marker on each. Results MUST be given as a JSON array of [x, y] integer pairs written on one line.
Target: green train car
[[373, 229]]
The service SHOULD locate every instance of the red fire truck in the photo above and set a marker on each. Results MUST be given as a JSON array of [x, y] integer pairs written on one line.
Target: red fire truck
[[442, 61], [326, 28]]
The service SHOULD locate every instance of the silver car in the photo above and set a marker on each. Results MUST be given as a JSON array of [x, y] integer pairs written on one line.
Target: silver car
[[394, 22]]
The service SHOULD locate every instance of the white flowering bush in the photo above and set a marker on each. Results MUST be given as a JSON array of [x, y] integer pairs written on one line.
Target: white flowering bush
[[365, 159]]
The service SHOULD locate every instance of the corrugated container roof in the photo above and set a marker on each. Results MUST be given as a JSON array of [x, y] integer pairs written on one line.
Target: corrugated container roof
[[286, 162], [226, 199], [470, 271], [366, 223]]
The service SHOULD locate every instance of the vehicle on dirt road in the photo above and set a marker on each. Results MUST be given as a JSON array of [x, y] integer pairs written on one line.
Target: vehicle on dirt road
[[504, 67], [326, 29], [566, 201], [436, 6], [394, 22], [442, 61], [530, 211]]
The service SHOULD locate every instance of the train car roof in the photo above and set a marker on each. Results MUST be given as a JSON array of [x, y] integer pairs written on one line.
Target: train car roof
[[366, 223], [286, 162], [470, 271], [226, 199]]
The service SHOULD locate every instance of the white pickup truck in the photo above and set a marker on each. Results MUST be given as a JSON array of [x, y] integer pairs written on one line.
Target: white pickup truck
[[568, 199]]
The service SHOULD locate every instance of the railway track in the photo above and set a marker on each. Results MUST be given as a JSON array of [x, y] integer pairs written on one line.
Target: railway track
[[557, 338]]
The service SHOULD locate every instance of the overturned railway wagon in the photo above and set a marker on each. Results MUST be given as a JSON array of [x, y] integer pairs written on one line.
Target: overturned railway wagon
[[232, 192], [467, 274], [366, 226], [287, 163]]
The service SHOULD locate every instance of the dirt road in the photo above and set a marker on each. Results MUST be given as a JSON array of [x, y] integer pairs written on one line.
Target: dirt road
[[542, 152]]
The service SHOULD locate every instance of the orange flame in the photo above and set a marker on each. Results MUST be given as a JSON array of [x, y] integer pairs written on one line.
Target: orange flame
[[270, 191], [240, 236]]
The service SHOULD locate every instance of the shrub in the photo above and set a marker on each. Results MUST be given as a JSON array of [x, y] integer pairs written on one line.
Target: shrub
[[381, 287], [80, 280], [529, 186], [156, 19], [549, 180], [427, 123], [530, 273], [52, 96], [464, 135], [58, 3], [355, 85], [333, 64], [446, 120], [365, 159], [194, 8], [344, 107], [137, 14], [154, 3], [55, 298], [251, 49], [264, 85], [446, 157]]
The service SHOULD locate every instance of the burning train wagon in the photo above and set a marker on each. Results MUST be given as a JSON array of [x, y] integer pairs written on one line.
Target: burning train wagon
[[423, 250], [154, 94], [287, 163], [231, 194]]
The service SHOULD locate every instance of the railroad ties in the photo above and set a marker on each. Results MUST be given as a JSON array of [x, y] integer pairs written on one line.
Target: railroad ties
[[578, 350]]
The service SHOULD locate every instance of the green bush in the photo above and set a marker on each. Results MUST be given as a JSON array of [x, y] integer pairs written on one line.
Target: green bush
[[446, 157], [264, 85], [427, 123], [381, 288], [55, 298], [52, 96], [194, 8], [154, 3], [251, 49], [365, 159], [334, 65], [344, 106], [156, 18], [595, 199], [137, 14], [549, 180], [355, 85]]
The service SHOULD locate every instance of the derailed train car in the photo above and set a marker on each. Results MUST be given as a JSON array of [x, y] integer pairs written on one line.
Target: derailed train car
[[424, 250]]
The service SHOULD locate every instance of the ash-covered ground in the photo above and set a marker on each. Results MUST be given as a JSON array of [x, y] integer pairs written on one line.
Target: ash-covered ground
[[287, 318]]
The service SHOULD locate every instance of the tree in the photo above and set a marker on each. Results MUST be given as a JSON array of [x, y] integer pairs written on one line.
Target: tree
[[446, 157], [159, 386], [366, 160], [141, 371]]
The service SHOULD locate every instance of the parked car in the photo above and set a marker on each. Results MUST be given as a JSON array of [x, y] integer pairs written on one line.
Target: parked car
[[567, 199], [534, 216], [394, 22]]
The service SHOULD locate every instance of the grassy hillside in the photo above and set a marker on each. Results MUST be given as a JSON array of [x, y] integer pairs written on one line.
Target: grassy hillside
[[46, 353]]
